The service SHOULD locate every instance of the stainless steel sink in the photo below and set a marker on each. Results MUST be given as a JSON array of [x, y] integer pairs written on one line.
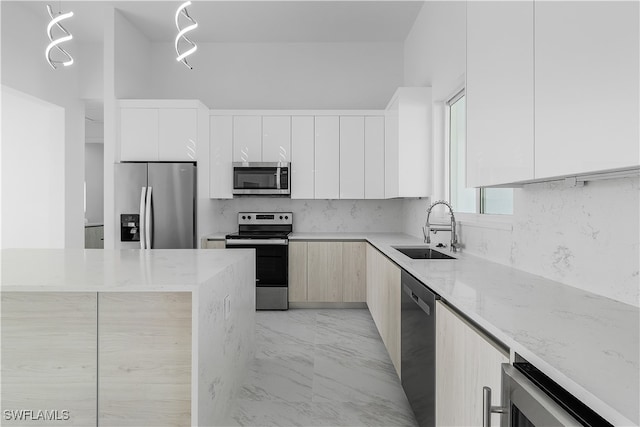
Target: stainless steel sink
[[424, 252]]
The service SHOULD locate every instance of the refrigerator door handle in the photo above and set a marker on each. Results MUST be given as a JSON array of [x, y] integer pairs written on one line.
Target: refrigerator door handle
[[143, 195], [148, 219]]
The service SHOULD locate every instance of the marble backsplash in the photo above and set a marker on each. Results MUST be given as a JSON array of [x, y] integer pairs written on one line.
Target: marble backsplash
[[587, 237], [313, 215]]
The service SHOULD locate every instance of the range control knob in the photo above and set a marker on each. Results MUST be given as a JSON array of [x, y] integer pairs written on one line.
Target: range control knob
[[244, 217], [286, 217], [280, 216], [249, 217]]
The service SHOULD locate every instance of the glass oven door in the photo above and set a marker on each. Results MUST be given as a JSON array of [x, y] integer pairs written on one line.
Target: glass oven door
[[533, 399], [272, 260]]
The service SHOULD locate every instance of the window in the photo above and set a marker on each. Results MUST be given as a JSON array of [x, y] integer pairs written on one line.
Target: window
[[463, 199]]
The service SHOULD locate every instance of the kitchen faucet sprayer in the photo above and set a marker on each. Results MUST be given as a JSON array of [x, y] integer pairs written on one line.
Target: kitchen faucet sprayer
[[428, 228]]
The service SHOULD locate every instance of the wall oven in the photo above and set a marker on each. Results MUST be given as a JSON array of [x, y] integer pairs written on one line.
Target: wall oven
[[261, 178], [530, 398]]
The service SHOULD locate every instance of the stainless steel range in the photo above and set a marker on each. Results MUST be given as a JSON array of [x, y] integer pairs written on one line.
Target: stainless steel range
[[268, 234]]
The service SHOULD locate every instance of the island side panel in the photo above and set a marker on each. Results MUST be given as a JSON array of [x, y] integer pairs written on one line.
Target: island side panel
[[144, 355], [226, 346], [48, 358]]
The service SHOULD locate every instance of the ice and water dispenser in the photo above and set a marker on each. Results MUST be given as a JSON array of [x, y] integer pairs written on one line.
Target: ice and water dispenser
[[130, 228]]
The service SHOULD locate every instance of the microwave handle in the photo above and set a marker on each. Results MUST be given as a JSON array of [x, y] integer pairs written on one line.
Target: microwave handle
[[487, 409], [278, 178]]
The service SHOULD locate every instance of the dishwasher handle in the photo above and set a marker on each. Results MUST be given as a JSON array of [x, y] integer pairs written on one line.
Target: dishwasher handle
[[423, 305]]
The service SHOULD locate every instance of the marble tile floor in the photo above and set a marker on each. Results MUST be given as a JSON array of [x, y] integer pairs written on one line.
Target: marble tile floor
[[320, 367]]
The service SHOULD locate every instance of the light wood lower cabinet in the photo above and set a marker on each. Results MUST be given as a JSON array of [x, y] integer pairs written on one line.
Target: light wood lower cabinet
[[327, 271], [213, 244], [144, 355], [383, 300], [324, 271], [466, 361], [354, 274], [298, 271], [49, 339]]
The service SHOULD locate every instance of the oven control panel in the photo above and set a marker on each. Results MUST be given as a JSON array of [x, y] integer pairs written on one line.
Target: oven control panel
[[265, 218]]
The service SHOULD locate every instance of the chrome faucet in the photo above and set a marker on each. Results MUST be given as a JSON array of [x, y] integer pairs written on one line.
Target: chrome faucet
[[428, 228]]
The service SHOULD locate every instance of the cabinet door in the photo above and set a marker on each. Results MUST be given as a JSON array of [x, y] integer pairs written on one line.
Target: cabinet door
[[352, 157], [327, 157], [499, 92], [586, 92], [392, 288], [138, 134], [383, 300], [465, 362], [247, 139], [220, 167], [276, 139], [178, 134], [354, 274], [214, 244], [49, 347], [297, 271], [152, 385], [302, 157], [374, 157], [324, 275], [391, 151]]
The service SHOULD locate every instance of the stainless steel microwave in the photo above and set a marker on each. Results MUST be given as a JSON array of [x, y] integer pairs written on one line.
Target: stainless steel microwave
[[261, 178]]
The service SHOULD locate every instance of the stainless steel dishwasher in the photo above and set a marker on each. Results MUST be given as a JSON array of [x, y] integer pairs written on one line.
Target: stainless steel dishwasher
[[418, 348]]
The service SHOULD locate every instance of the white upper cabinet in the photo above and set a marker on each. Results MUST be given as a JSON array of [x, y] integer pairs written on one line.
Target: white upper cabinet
[[586, 91], [220, 152], [352, 149], [408, 143], [247, 138], [327, 157], [374, 157], [139, 134], [178, 134], [499, 92], [160, 130], [302, 157], [552, 89], [276, 139]]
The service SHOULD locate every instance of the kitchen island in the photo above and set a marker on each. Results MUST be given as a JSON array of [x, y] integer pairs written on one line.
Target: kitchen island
[[131, 337]]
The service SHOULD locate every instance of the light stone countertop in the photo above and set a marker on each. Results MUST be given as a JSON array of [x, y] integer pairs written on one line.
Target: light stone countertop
[[587, 343], [99, 270]]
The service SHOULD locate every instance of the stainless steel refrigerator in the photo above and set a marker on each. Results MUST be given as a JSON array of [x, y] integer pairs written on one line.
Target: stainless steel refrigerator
[[155, 205]]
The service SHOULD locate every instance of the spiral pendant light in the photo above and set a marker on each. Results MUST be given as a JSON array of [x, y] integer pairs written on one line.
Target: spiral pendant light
[[55, 44], [181, 36]]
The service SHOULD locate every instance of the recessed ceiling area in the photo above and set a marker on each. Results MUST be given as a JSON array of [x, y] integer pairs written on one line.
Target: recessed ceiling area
[[252, 21]]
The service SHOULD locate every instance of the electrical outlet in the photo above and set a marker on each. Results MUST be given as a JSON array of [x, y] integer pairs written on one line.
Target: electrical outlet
[[227, 307]]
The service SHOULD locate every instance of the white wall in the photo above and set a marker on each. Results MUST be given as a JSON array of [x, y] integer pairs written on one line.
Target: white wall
[[33, 172], [281, 75], [90, 63], [94, 179], [132, 60], [24, 68], [584, 237]]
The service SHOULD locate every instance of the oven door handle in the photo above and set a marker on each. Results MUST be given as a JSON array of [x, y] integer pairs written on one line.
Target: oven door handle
[[488, 409], [257, 242]]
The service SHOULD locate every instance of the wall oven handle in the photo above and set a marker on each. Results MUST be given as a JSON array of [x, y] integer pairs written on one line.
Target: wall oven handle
[[256, 242], [487, 409]]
